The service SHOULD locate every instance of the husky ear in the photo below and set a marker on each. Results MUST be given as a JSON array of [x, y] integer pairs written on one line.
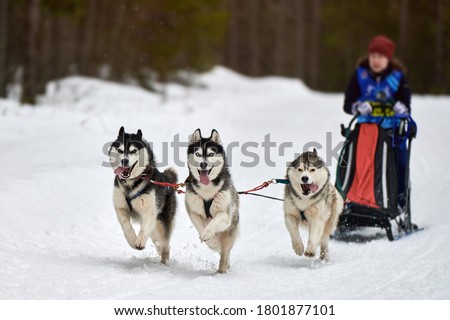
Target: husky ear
[[314, 158], [215, 137], [196, 136], [139, 133], [121, 131]]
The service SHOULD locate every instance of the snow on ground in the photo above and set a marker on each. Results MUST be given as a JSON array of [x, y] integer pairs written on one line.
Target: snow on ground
[[59, 237]]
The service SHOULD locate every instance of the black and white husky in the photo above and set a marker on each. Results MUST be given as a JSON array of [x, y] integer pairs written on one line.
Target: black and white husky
[[211, 199], [136, 198], [312, 201]]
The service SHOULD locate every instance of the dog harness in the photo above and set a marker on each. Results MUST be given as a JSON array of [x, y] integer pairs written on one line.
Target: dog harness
[[146, 176], [302, 214], [207, 205], [132, 198]]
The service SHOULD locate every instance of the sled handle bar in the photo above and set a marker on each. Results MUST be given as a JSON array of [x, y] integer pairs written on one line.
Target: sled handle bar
[[406, 117], [344, 130]]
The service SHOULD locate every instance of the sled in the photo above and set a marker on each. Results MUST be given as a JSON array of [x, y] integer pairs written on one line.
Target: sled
[[367, 177]]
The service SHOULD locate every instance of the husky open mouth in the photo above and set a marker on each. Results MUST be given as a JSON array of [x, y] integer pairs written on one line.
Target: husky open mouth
[[309, 188], [204, 176], [124, 172]]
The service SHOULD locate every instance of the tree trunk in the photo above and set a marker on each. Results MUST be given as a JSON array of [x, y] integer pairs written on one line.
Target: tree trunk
[[233, 36], [100, 38], [439, 81], [279, 49], [254, 37], [4, 5], [56, 67], [45, 62], [29, 85], [315, 44], [87, 51], [299, 40], [116, 51], [403, 27]]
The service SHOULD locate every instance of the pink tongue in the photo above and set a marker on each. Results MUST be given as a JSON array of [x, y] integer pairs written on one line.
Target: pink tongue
[[313, 187], [204, 177], [119, 171]]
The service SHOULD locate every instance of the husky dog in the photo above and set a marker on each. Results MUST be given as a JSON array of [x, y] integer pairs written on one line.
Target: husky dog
[[311, 200], [136, 198], [211, 199]]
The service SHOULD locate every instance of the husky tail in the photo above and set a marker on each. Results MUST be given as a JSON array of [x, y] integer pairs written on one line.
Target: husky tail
[[171, 175]]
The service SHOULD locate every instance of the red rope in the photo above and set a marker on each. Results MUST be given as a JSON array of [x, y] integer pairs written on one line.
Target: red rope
[[261, 186], [174, 186], [177, 186]]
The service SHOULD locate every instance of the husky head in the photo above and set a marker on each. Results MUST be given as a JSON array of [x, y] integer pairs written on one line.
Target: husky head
[[206, 157], [130, 155], [308, 172]]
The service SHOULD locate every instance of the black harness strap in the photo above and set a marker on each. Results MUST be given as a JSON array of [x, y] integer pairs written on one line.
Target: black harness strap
[[207, 205], [302, 214], [129, 202], [129, 199]]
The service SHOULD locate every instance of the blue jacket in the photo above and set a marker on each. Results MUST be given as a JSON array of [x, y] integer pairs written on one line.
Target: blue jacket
[[389, 86], [381, 89]]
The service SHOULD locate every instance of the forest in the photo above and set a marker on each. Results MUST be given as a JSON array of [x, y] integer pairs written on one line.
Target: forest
[[148, 41]]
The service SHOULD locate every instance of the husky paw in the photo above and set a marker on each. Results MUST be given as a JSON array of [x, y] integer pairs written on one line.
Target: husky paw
[[139, 247], [140, 244], [222, 270], [324, 256], [223, 267], [165, 258], [309, 253], [206, 235], [310, 250], [298, 248]]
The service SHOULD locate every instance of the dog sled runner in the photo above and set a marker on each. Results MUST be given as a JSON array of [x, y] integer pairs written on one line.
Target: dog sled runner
[[373, 178]]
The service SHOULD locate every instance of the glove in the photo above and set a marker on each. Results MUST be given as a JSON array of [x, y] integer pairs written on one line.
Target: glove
[[400, 108], [364, 108]]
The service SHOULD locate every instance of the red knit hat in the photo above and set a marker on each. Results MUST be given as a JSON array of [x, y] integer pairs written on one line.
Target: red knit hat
[[383, 45]]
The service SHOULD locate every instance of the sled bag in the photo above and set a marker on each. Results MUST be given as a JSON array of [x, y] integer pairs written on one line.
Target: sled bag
[[366, 171]]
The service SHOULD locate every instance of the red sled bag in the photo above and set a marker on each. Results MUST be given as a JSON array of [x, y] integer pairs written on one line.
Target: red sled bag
[[368, 170], [367, 178]]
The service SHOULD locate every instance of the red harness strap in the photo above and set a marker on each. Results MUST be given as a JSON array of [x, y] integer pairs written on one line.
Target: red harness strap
[[175, 186], [261, 186]]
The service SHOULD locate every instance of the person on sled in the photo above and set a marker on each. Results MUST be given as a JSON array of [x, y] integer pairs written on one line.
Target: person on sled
[[377, 91]]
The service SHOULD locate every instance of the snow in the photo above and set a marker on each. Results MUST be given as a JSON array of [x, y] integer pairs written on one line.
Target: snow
[[60, 239]]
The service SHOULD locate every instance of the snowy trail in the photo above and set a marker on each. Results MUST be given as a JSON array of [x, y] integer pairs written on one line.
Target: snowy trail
[[59, 238]]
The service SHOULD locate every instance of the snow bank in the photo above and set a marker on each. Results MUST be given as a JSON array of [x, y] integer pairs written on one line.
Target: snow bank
[[59, 238]]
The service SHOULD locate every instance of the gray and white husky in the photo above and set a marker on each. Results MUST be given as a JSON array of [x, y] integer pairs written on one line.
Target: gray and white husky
[[211, 199], [136, 198], [312, 201]]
